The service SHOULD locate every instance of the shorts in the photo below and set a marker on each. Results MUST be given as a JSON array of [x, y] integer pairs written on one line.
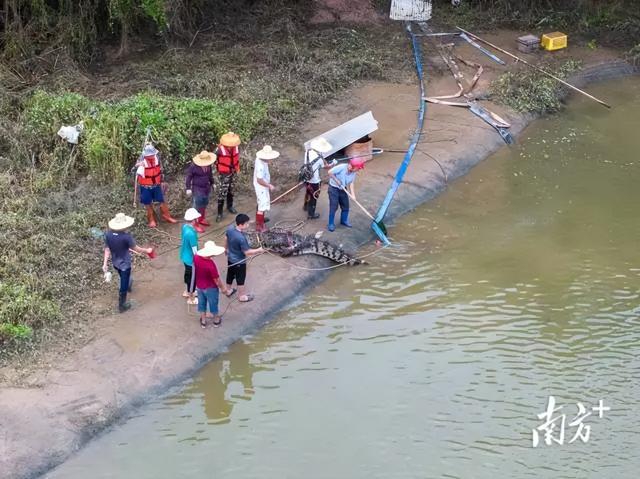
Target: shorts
[[264, 199], [200, 202], [237, 272], [208, 296], [151, 194]]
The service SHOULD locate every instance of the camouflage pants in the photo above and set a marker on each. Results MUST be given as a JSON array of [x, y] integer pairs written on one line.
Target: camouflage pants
[[225, 187]]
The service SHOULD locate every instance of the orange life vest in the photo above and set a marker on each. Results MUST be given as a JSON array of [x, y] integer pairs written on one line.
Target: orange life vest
[[228, 159], [152, 172]]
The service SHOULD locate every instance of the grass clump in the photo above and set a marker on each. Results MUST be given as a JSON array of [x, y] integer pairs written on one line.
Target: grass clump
[[530, 91], [114, 131]]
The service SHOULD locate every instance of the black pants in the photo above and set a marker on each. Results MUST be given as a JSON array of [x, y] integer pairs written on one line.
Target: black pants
[[237, 272], [313, 190], [189, 278]]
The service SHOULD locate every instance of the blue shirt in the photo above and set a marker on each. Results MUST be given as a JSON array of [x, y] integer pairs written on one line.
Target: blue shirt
[[189, 241], [119, 243], [342, 173], [237, 244]]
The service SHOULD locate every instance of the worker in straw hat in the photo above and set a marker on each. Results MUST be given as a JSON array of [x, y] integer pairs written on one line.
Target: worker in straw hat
[[313, 162], [199, 183], [208, 283], [262, 184], [118, 245], [150, 178], [188, 248], [228, 166]]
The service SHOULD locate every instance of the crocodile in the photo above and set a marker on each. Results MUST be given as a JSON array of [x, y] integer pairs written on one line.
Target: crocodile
[[286, 243]]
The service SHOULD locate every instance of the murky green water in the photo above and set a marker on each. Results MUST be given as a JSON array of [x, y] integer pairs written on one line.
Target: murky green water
[[433, 362]]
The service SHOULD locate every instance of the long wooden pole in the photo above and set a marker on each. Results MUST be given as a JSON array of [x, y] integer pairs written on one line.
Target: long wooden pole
[[535, 67], [287, 192]]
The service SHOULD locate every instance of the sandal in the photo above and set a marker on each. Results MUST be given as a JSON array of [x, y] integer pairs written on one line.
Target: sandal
[[233, 291], [249, 298], [217, 324], [203, 323]]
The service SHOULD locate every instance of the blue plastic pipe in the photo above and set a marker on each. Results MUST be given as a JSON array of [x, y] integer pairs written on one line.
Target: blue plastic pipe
[[417, 53]]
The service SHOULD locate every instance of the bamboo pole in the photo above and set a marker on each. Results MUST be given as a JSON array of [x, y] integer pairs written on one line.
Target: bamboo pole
[[287, 192], [535, 67]]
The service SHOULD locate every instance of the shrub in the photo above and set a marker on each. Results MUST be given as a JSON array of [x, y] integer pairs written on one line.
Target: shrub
[[114, 132], [528, 90], [22, 309]]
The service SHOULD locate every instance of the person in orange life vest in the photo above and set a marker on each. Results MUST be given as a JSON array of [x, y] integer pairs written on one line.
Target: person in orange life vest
[[199, 182], [262, 184], [228, 166], [151, 181]]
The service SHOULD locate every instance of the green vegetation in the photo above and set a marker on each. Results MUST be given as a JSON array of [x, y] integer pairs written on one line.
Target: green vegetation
[[113, 131], [528, 90], [616, 21], [261, 85]]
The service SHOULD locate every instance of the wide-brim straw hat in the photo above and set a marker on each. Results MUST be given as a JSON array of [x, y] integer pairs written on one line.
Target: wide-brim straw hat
[[230, 139], [149, 150], [320, 144], [205, 158], [267, 153], [121, 222], [211, 249], [191, 214]]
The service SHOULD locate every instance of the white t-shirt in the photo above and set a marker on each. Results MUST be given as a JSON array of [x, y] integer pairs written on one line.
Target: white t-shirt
[[261, 170], [316, 162]]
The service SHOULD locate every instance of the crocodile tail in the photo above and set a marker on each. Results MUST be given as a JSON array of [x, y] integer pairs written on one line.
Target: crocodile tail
[[327, 250]]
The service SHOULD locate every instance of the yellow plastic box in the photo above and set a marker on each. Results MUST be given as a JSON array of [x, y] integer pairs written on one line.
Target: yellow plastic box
[[554, 41]]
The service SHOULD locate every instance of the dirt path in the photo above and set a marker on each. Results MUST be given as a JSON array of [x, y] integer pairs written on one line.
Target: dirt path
[[158, 343]]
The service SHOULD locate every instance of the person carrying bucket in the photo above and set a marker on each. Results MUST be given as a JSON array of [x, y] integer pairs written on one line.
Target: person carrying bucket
[[227, 166], [262, 184], [199, 183], [150, 178], [118, 245], [313, 162], [341, 177]]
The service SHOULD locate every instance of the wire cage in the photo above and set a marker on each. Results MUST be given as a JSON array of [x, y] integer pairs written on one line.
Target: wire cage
[[415, 10]]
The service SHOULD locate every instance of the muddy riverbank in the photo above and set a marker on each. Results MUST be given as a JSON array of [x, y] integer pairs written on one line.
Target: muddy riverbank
[[159, 343]]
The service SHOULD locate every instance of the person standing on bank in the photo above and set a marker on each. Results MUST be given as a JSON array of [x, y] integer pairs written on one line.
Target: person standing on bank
[[199, 182], [341, 177], [228, 166], [188, 248], [314, 161], [118, 245], [208, 283], [262, 184], [150, 179], [238, 250]]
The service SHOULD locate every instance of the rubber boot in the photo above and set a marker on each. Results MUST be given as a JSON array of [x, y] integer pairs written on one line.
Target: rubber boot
[[344, 218], [331, 226], [164, 212], [260, 227], [220, 211], [198, 228], [123, 305], [230, 207], [203, 214], [151, 217]]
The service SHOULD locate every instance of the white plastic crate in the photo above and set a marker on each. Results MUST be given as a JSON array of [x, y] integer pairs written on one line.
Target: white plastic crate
[[416, 10]]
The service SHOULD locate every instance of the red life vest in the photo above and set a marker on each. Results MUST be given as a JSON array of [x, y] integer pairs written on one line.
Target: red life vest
[[152, 172], [228, 159]]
